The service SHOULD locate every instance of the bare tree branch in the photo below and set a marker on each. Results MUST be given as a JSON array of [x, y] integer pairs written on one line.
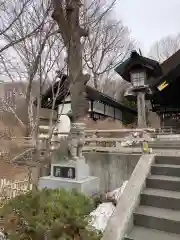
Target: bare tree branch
[[12, 39], [165, 47]]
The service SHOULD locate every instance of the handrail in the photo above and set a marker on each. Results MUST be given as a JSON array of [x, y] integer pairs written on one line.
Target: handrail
[[121, 220]]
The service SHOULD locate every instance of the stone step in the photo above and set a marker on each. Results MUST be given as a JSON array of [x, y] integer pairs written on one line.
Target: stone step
[[164, 145], [163, 182], [166, 169], [141, 233], [158, 218], [167, 160], [161, 198], [166, 142]]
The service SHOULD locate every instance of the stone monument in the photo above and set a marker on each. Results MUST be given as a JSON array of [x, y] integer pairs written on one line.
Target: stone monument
[[73, 171]]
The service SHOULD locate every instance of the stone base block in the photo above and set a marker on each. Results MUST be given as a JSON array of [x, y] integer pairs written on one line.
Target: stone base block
[[81, 168], [88, 186]]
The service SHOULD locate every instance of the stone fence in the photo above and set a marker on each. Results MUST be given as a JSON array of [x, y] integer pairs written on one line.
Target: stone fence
[[117, 138]]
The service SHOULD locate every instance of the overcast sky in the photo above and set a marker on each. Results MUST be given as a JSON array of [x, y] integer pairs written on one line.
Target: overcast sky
[[149, 20]]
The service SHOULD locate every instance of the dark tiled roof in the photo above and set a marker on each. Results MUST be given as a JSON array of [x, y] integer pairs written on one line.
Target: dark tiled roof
[[169, 96], [152, 67], [171, 63], [170, 70]]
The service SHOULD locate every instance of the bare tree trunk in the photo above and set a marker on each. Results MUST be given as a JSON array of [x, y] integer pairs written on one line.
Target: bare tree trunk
[[71, 33], [77, 79], [78, 82]]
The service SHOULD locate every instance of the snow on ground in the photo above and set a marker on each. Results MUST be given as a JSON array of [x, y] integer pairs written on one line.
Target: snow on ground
[[101, 215], [136, 138], [2, 236]]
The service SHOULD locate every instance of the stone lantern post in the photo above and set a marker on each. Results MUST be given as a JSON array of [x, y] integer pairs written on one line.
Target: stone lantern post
[[138, 70]]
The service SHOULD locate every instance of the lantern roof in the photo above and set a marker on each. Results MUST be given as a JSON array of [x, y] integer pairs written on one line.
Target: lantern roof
[[135, 62]]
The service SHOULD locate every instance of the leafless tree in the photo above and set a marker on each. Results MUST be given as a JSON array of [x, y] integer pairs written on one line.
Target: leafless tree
[[10, 12], [114, 87], [31, 64], [94, 42], [36, 47], [24, 61], [165, 47], [108, 43]]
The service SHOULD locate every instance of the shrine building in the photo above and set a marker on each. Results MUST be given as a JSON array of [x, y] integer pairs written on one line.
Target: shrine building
[[165, 100], [101, 106]]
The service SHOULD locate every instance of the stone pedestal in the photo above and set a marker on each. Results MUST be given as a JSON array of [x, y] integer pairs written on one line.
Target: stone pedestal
[[71, 175], [88, 186], [74, 173]]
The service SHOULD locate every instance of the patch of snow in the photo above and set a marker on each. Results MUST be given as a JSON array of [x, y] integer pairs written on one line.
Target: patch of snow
[[126, 143], [2, 236], [100, 216], [136, 138]]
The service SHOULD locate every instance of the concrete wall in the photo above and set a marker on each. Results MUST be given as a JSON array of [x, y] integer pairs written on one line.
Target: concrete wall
[[112, 168]]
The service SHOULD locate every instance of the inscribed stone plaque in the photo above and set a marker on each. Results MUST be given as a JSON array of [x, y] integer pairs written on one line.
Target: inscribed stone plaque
[[64, 172]]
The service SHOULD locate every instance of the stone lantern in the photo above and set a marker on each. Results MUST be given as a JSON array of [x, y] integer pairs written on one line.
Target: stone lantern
[[138, 70]]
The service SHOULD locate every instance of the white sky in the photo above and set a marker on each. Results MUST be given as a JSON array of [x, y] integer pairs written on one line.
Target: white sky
[[149, 20]]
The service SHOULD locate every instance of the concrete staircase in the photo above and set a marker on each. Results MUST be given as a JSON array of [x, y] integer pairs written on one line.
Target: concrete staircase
[[158, 214]]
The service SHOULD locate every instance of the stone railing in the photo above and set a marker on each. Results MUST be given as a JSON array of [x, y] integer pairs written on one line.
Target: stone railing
[[103, 142], [111, 138], [168, 130], [126, 138], [122, 219]]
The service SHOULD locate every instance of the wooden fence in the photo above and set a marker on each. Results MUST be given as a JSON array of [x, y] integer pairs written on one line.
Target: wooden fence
[[11, 189]]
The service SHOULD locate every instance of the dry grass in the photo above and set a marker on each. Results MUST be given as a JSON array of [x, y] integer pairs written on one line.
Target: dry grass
[[10, 146], [12, 172]]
